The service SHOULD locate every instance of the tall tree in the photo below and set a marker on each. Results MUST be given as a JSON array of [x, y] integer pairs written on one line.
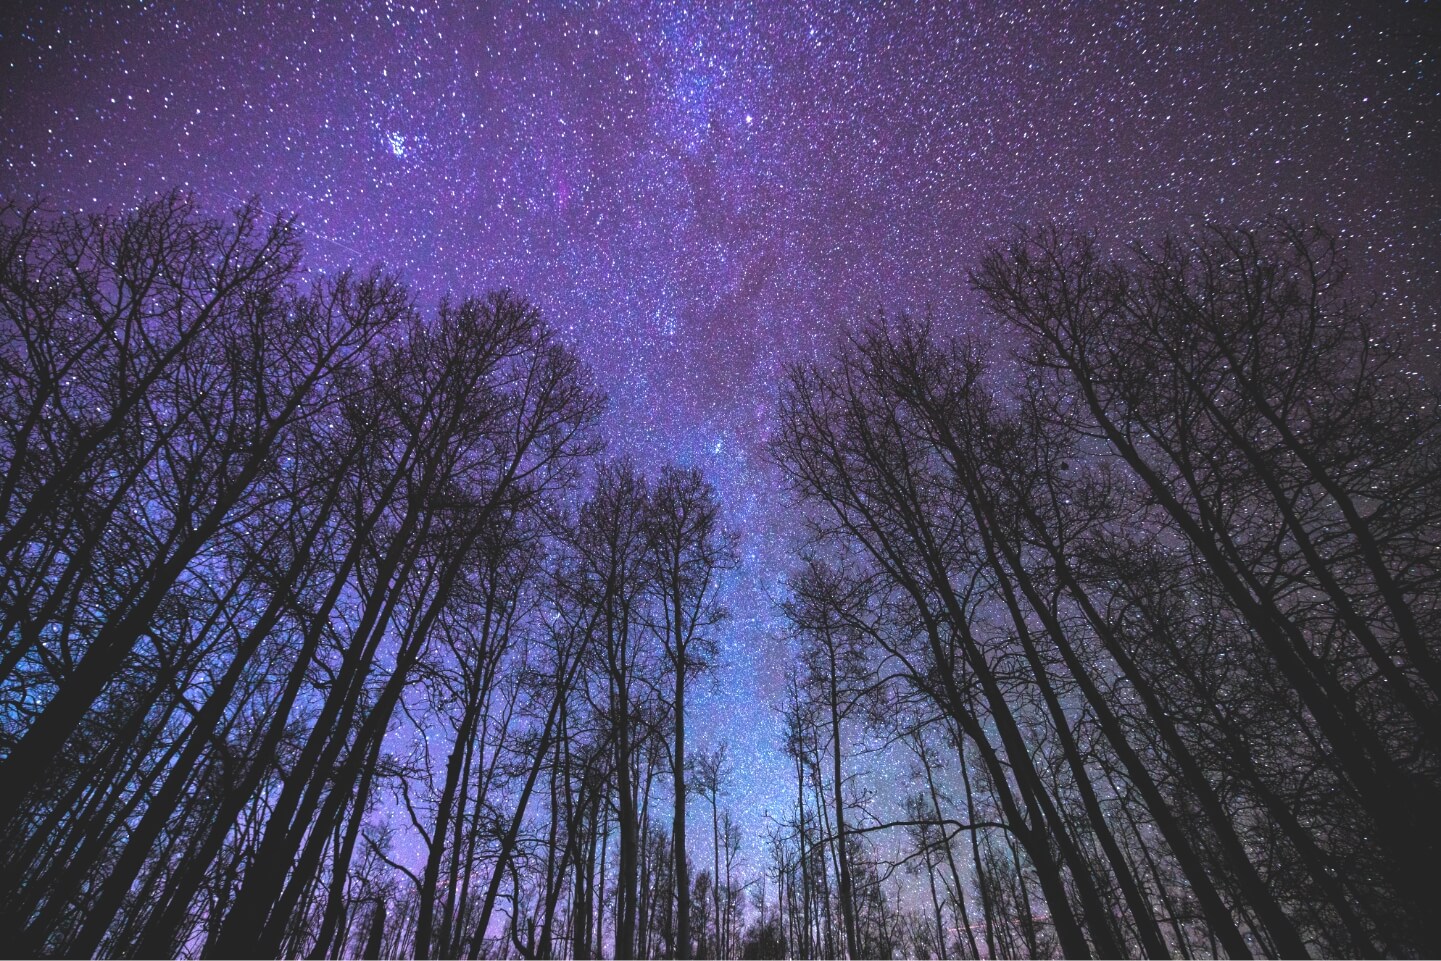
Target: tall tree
[[689, 550]]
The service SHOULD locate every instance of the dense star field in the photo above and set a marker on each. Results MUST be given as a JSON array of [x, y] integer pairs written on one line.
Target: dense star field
[[697, 194]]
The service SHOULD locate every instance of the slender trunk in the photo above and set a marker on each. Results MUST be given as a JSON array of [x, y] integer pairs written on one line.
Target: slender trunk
[[435, 854], [848, 908], [682, 868], [512, 833], [803, 850], [986, 909], [963, 916], [715, 875], [343, 852]]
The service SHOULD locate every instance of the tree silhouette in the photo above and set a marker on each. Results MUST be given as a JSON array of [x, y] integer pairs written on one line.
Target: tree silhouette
[[331, 631]]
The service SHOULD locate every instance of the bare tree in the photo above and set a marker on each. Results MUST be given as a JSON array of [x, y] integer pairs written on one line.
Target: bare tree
[[689, 550]]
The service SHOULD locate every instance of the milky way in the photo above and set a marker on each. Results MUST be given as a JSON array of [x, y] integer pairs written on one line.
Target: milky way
[[696, 194]]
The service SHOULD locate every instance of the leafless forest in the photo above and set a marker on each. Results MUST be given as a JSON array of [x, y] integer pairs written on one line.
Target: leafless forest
[[332, 630]]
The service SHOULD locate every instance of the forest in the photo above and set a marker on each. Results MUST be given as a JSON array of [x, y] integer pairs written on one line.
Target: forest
[[333, 628]]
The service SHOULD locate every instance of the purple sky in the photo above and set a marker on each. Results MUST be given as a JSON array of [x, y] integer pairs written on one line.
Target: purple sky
[[697, 193]]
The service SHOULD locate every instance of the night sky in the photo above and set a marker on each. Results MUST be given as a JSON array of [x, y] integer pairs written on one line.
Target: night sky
[[695, 194]]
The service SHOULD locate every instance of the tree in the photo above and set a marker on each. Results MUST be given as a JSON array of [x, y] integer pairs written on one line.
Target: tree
[[710, 772], [245, 517], [1281, 446], [689, 550], [835, 666], [1154, 577]]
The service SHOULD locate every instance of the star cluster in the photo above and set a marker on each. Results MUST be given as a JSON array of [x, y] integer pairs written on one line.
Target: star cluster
[[697, 193]]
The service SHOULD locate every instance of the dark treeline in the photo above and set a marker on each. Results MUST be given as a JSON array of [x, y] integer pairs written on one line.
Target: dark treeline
[[1151, 605], [330, 629], [327, 630]]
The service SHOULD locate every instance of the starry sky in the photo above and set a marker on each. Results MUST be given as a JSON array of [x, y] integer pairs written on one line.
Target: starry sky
[[697, 193]]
